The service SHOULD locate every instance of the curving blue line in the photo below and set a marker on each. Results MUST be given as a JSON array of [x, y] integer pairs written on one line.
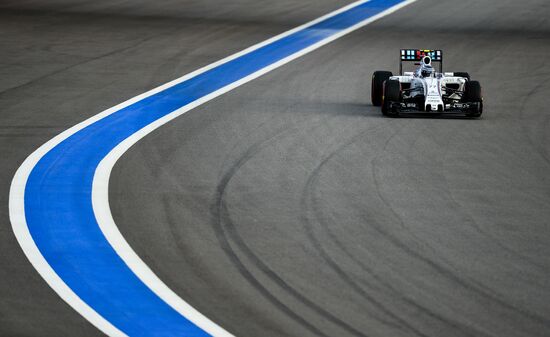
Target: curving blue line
[[58, 205]]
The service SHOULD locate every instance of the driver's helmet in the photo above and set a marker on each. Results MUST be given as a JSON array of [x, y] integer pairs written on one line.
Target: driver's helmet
[[426, 70]]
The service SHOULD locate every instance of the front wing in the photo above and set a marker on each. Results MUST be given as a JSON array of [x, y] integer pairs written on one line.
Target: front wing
[[449, 108]]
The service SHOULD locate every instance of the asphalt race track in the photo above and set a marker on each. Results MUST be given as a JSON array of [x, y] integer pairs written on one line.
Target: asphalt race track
[[289, 206]]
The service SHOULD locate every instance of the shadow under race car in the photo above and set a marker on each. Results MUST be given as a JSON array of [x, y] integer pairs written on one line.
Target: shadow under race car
[[424, 89]]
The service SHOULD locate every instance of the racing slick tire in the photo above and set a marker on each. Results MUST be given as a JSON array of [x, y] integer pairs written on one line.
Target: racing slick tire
[[472, 94], [392, 93], [462, 74], [377, 86]]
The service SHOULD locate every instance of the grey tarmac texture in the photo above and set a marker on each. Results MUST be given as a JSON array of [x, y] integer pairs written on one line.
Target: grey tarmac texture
[[64, 61], [290, 207]]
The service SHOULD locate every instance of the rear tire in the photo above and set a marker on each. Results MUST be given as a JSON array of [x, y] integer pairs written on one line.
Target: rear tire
[[472, 94], [392, 94], [462, 74], [377, 86]]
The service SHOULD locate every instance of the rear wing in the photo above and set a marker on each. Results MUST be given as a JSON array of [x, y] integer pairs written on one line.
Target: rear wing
[[416, 55]]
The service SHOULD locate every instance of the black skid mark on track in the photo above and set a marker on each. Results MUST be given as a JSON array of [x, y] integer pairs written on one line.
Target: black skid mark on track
[[467, 284], [227, 233], [449, 273], [308, 204]]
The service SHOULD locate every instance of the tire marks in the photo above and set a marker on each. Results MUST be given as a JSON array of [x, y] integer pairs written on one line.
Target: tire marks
[[227, 235]]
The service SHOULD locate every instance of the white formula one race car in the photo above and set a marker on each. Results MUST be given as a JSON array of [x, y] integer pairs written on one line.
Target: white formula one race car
[[424, 89]]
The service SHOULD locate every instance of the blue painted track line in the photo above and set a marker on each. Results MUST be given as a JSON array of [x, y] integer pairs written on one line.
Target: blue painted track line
[[57, 197]]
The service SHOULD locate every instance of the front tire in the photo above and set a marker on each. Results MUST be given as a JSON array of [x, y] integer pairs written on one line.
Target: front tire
[[472, 94], [377, 86], [392, 94]]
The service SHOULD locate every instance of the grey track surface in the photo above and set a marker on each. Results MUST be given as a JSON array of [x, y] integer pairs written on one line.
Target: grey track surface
[[64, 61], [290, 207]]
